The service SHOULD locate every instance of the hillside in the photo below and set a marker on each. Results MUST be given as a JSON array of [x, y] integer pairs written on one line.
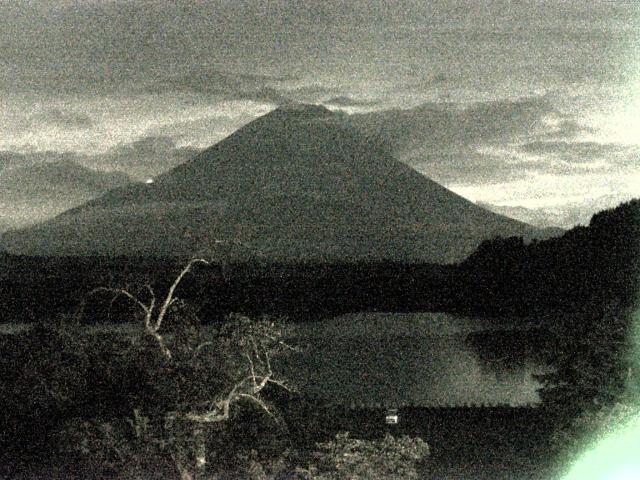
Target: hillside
[[585, 270], [33, 192], [300, 183]]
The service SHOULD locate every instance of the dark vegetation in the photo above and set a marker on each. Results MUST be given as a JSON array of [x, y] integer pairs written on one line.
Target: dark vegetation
[[301, 291], [586, 267], [106, 405], [114, 406]]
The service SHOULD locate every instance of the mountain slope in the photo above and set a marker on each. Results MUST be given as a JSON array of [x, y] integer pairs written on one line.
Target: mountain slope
[[297, 183], [33, 192]]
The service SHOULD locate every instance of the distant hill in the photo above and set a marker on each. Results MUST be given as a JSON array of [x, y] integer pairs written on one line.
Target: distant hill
[[11, 159], [563, 216], [33, 192], [56, 177], [545, 219], [585, 270], [298, 183]]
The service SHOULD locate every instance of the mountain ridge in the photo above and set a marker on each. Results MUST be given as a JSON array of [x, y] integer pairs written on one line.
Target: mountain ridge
[[300, 182], [36, 191]]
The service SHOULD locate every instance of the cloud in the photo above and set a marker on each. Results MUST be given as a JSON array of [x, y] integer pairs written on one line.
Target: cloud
[[491, 141], [14, 160], [438, 124], [94, 76], [565, 199], [273, 90], [563, 128], [116, 46], [64, 119], [503, 118], [49, 179], [53, 120], [577, 212], [347, 101], [583, 155], [572, 150], [143, 158], [208, 129], [454, 143], [489, 166], [36, 186], [315, 91], [265, 95], [430, 79], [147, 146], [227, 84], [537, 217], [469, 166]]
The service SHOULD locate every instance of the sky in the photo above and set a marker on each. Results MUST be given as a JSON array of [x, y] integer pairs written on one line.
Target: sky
[[537, 103]]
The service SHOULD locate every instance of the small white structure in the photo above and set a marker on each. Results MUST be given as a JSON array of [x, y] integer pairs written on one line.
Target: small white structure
[[392, 416]]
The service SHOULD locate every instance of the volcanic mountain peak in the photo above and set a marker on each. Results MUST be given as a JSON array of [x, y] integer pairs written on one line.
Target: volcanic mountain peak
[[306, 119], [298, 183]]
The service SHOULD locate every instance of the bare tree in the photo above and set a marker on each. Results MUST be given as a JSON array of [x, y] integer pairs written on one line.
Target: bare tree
[[154, 311], [253, 343], [247, 347]]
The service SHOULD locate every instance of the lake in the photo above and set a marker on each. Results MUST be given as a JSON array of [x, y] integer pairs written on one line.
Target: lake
[[423, 359], [389, 359]]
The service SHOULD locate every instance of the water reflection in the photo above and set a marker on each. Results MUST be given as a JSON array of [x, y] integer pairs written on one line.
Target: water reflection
[[428, 359]]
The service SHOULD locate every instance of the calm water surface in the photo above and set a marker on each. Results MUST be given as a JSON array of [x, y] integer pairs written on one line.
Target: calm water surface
[[394, 359]]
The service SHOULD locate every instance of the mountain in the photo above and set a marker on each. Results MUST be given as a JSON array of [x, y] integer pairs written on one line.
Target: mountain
[[535, 217], [13, 160], [34, 192], [299, 183], [564, 216]]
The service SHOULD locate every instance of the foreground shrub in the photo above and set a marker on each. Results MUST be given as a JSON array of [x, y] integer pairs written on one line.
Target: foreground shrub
[[387, 458], [45, 372], [123, 448], [43, 378]]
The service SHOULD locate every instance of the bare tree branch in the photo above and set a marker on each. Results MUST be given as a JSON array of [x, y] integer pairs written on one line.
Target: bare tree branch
[[148, 314], [268, 362], [222, 408], [280, 384], [126, 293], [257, 401], [169, 298], [150, 289], [251, 367], [246, 347], [152, 326], [262, 384]]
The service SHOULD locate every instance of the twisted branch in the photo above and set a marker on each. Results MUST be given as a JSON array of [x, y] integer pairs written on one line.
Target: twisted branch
[[152, 326]]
